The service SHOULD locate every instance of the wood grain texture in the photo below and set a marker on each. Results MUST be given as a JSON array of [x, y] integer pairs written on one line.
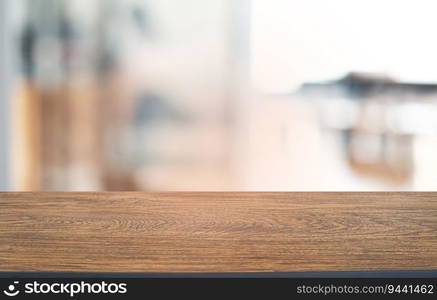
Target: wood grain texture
[[217, 232]]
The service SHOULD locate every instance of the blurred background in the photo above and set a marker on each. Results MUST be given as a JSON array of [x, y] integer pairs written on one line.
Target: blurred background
[[218, 95]]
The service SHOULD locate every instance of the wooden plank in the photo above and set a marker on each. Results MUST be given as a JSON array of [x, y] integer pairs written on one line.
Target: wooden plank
[[217, 232]]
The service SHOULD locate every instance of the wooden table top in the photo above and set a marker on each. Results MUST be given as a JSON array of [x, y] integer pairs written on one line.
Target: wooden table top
[[217, 232]]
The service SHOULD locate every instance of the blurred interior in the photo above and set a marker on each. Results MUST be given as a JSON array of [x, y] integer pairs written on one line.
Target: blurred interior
[[218, 95]]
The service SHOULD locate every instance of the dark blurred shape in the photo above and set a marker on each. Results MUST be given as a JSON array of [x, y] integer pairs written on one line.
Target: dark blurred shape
[[356, 85], [378, 141], [152, 108], [27, 43]]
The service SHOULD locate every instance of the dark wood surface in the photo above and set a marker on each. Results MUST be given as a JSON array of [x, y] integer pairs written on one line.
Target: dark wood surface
[[217, 232]]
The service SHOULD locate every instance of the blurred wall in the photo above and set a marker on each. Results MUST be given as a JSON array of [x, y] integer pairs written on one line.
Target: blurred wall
[[6, 73]]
